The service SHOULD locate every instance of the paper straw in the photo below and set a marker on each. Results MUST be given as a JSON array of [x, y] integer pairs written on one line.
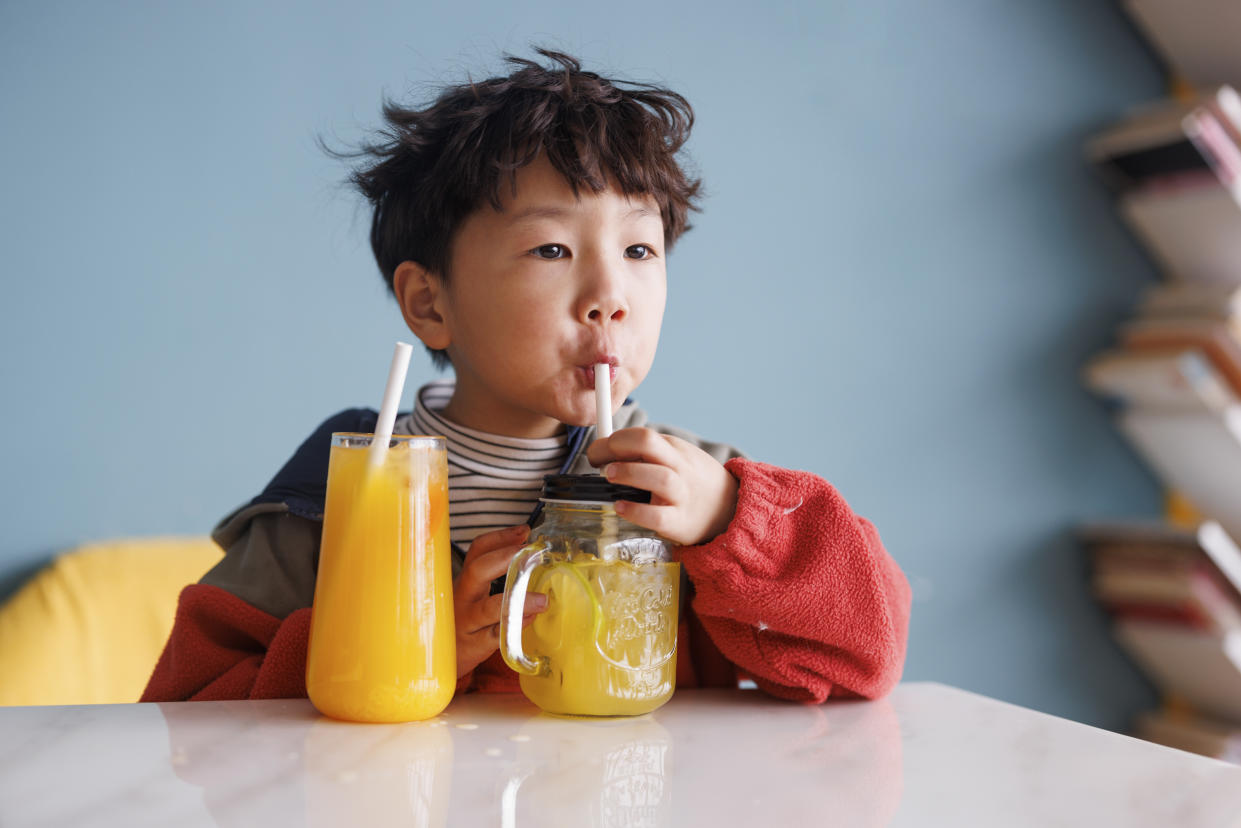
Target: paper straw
[[603, 400], [392, 399], [603, 428]]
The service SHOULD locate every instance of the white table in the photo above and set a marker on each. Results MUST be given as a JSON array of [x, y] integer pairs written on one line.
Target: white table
[[927, 755]]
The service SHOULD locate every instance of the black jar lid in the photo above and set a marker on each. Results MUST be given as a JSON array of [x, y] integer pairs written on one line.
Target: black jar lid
[[590, 488]]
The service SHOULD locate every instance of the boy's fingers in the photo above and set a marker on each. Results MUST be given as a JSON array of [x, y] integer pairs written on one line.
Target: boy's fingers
[[599, 452], [482, 614], [641, 444], [475, 579], [663, 483], [486, 613], [490, 541], [475, 647], [655, 518], [488, 558], [491, 634]]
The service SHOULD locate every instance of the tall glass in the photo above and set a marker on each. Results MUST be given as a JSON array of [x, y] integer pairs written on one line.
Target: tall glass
[[382, 634]]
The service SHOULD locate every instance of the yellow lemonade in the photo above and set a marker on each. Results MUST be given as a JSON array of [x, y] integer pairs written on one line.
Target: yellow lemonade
[[609, 636], [382, 633]]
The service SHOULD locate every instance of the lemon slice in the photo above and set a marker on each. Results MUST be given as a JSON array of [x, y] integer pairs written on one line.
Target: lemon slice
[[596, 610]]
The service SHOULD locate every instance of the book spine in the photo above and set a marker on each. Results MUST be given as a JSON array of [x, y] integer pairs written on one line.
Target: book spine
[[1204, 129]]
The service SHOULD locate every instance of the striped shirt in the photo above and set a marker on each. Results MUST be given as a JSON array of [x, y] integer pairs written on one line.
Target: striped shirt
[[493, 481]]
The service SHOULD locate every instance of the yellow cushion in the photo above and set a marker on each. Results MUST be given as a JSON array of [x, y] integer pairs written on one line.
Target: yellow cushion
[[88, 628]]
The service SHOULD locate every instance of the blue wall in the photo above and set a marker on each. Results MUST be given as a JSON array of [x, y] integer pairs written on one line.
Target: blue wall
[[902, 264]]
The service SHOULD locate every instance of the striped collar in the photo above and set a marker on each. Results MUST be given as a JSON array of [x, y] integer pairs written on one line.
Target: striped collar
[[496, 454]]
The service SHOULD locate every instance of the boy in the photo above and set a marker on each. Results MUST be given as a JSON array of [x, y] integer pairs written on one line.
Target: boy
[[522, 224]]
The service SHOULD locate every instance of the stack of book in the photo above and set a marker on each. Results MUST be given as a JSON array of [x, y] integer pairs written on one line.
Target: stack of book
[[1173, 378], [1175, 597]]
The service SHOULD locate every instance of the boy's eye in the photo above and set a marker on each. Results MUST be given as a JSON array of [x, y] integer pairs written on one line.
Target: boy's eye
[[550, 251], [638, 251]]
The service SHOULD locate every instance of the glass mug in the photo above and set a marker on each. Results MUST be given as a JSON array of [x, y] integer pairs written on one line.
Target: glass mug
[[606, 644], [383, 644]]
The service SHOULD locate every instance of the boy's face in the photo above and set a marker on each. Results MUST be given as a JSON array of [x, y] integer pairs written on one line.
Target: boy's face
[[542, 290]]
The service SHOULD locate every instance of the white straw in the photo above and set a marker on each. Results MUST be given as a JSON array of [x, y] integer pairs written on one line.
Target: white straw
[[392, 399], [603, 428], [603, 400]]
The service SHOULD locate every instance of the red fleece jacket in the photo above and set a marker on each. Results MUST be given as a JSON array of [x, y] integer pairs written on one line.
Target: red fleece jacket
[[798, 593]]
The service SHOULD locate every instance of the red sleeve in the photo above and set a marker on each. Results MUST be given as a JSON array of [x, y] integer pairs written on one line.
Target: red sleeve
[[798, 592], [223, 648]]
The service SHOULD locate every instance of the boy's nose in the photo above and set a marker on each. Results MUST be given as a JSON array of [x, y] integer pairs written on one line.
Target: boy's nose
[[605, 311], [602, 300]]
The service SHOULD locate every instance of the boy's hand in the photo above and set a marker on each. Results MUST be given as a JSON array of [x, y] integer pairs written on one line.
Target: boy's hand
[[693, 497], [477, 612]]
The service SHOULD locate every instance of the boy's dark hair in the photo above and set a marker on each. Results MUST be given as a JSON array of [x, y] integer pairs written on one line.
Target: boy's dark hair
[[432, 167]]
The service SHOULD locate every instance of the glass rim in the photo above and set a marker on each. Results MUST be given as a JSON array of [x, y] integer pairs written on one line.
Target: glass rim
[[357, 439]]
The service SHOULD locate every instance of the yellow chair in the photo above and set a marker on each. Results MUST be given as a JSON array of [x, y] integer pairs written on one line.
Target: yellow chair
[[88, 627]]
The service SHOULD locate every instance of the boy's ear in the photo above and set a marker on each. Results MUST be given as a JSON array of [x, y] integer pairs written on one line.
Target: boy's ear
[[420, 293]]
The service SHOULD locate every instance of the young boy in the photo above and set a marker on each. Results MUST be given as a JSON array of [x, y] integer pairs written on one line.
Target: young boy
[[523, 225]]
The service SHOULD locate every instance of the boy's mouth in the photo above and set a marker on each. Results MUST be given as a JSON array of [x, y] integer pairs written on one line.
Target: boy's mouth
[[586, 373]]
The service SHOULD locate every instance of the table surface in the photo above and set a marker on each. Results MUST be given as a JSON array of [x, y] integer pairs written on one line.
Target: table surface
[[926, 755]]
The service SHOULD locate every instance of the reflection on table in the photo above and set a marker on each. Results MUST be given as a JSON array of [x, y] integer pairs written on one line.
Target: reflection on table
[[928, 755]]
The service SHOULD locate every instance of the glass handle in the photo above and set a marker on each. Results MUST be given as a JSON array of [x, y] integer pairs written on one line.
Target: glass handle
[[512, 608]]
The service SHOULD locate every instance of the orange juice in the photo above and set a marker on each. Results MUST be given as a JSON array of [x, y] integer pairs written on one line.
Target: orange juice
[[609, 636], [382, 633]]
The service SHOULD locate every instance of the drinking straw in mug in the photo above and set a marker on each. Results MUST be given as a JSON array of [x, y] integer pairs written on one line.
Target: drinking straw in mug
[[392, 398], [603, 400], [603, 428]]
